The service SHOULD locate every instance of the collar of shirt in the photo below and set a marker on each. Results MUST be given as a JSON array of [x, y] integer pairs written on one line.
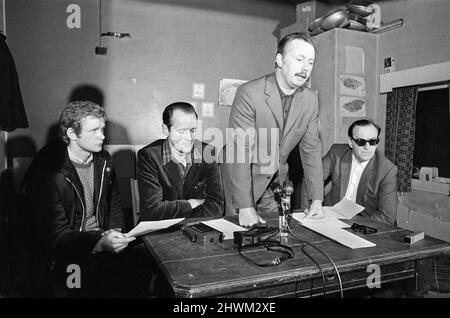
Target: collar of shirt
[[354, 178], [76, 159], [283, 95], [171, 154], [360, 166], [286, 100]]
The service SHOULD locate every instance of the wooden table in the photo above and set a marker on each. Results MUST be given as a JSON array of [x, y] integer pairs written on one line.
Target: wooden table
[[219, 271]]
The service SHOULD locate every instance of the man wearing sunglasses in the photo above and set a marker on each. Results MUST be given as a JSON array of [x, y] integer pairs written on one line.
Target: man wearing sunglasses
[[362, 174]]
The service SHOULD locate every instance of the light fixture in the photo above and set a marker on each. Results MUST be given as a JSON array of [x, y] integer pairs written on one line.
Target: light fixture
[[388, 26]]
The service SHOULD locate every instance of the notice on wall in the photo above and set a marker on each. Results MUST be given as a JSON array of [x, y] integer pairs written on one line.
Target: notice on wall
[[352, 91], [354, 60], [350, 106], [352, 85]]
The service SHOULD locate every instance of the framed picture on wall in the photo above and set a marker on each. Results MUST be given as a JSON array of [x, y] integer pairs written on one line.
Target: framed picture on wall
[[227, 90]]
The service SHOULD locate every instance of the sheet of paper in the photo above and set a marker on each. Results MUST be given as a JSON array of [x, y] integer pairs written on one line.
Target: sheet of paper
[[344, 209], [340, 235], [224, 226], [150, 226], [329, 212], [329, 226], [327, 221]]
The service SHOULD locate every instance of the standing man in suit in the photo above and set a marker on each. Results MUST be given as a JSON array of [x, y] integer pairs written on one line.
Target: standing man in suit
[[269, 117], [178, 176], [362, 174]]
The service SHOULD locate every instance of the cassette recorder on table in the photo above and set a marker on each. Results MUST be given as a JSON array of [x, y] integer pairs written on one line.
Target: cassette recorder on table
[[202, 234]]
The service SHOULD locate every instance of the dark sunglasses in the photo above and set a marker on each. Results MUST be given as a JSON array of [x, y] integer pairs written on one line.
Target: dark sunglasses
[[363, 229], [362, 142]]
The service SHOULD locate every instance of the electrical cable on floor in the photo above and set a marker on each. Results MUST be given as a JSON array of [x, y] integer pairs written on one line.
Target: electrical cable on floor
[[323, 253]]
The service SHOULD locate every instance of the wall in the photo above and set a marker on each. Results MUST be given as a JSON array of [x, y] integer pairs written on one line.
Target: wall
[[2, 134], [1, 16], [2, 151], [173, 44], [336, 56], [423, 39]]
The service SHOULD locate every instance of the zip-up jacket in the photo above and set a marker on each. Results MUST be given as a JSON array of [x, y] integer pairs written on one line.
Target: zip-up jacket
[[58, 207]]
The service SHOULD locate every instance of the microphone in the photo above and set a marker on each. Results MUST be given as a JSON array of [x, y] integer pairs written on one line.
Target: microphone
[[278, 193], [288, 188], [276, 189], [283, 196]]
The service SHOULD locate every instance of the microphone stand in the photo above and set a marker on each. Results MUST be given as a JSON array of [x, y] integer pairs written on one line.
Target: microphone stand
[[283, 197]]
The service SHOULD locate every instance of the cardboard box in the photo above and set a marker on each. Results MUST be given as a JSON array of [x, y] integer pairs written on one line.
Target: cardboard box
[[308, 11], [425, 211], [430, 186]]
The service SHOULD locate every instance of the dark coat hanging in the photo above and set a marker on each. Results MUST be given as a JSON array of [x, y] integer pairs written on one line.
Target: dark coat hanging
[[12, 112]]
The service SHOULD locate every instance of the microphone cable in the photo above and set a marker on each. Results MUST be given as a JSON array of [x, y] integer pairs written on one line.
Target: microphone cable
[[317, 264], [323, 253], [288, 189], [311, 258]]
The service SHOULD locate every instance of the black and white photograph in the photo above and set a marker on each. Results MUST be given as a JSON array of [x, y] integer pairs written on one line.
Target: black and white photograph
[[218, 156]]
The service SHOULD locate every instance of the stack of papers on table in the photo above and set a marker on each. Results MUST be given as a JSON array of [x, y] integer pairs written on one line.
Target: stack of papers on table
[[224, 226], [344, 209], [146, 227], [333, 228]]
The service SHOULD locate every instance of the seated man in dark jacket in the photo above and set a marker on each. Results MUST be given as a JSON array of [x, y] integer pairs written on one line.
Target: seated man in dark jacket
[[76, 211], [179, 176], [361, 173]]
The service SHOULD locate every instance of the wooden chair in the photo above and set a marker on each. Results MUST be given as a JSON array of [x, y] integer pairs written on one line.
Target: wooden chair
[[135, 200]]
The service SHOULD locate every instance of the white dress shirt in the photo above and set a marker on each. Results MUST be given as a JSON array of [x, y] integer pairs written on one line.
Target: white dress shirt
[[355, 176]]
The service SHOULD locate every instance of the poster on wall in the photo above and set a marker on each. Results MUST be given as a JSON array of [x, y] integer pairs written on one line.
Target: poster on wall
[[352, 85], [354, 60], [227, 90], [350, 106]]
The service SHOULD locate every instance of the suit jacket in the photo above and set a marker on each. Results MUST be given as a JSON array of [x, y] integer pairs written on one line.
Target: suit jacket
[[257, 109], [377, 189], [164, 195]]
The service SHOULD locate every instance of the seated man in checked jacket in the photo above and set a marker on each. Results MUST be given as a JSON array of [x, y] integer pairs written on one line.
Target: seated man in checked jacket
[[178, 176]]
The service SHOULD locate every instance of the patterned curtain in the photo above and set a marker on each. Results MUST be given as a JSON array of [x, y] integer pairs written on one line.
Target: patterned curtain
[[400, 132]]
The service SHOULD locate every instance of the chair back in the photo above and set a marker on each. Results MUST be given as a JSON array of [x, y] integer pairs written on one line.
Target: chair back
[[135, 200]]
